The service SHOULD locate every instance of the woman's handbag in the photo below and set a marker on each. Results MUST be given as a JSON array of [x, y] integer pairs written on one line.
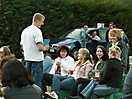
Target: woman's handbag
[[89, 88]]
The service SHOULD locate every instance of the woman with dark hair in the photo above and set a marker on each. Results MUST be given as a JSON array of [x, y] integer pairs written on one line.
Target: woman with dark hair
[[61, 66], [4, 60], [99, 64], [18, 82]]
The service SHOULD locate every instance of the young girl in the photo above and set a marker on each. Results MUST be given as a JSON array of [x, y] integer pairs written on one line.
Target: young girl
[[82, 67]]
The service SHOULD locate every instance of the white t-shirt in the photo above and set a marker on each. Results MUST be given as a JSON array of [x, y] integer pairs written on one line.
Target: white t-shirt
[[29, 39]]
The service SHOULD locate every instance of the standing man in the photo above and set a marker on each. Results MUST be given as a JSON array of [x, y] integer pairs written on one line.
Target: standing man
[[111, 27], [83, 36], [32, 44]]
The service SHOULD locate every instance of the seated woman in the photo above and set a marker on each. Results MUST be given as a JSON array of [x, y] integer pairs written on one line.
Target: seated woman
[[99, 64], [61, 66], [17, 82], [82, 67], [111, 80]]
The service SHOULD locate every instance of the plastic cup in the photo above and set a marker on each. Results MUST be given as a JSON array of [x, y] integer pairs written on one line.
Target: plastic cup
[[97, 75], [71, 71]]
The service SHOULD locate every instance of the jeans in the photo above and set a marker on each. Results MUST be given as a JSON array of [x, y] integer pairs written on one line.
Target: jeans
[[103, 90], [62, 82], [88, 89], [46, 80], [36, 71]]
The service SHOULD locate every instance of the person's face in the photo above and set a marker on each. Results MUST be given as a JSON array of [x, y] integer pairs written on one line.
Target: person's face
[[40, 23], [111, 26], [110, 54], [80, 56], [86, 28], [2, 54], [99, 53], [114, 39], [63, 53], [94, 33]]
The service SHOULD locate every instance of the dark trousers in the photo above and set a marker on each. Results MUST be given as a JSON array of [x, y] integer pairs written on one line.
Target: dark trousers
[[46, 80], [78, 86]]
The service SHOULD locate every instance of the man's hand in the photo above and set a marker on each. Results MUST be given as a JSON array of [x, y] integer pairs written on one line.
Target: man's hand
[[42, 48], [46, 47]]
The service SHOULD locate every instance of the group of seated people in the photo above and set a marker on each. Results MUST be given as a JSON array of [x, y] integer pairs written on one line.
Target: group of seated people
[[67, 74], [111, 66], [84, 72]]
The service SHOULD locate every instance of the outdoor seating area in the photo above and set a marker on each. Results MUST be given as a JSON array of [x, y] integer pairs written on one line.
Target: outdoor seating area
[[63, 94]]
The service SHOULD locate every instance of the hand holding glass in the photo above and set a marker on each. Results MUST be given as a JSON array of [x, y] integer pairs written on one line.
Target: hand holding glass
[[71, 71], [97, 75]]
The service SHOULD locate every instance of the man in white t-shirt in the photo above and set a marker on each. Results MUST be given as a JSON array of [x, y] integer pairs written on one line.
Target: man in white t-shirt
[[32, 44]]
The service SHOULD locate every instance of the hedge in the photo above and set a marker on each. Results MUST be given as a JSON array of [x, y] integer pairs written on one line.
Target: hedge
[[61, 16]]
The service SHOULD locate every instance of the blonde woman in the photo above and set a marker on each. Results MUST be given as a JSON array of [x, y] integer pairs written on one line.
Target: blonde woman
[[116, 39], [82, 67], [5, 51]]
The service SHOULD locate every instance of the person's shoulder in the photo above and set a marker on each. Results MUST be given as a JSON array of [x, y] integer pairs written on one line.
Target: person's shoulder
[[5, 88], [35, 87], [88, 63], [82, 29], [28, 27], [107, 30], [33, 28], [69, 57], [113, 60], [104, 61], [122, 43]]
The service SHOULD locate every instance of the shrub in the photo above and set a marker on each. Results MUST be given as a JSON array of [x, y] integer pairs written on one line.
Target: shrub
[[61, 16]]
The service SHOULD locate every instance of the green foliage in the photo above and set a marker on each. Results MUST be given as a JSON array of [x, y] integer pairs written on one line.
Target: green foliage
[[61, 16]]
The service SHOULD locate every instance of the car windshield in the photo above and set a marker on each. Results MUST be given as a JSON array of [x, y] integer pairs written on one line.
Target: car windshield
[[72, 34]]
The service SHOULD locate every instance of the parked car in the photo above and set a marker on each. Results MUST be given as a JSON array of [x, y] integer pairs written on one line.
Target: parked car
[[71, 39]]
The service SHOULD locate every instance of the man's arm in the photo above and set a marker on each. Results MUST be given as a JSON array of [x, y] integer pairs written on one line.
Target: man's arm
[[42, 48]]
